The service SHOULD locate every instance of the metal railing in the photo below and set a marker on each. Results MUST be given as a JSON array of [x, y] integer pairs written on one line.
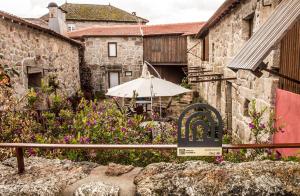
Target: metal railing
[[21, 146]]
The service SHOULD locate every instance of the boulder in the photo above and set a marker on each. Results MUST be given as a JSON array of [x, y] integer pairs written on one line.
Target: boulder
[[98, 180], [201, 178], [117, 170], [41, 177], [97, 189]]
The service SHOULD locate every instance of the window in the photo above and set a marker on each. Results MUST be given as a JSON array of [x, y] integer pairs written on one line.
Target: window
[[113, 79], [213, 52], [34, 80], [249, 25], [246, 107], [71, 27], [205, 48], [112, 49]]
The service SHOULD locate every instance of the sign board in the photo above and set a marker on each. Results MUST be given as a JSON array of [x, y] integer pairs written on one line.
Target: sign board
[[200, 118], [199, 151]]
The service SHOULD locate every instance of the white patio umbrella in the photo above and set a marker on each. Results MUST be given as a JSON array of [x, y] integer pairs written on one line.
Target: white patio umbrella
[[147, 86]]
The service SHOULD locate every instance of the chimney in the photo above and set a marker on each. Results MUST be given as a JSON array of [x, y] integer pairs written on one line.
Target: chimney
[[57, 19]]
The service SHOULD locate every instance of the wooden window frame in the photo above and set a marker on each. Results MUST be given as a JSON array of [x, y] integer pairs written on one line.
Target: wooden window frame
[[205, 48], [250, 24], [112, 43], [29, 86]]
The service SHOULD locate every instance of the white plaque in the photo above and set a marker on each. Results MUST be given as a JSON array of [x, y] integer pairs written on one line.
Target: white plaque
[[199, 151]]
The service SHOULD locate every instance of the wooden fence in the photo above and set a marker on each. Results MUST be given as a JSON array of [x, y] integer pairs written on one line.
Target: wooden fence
[[290, 60]]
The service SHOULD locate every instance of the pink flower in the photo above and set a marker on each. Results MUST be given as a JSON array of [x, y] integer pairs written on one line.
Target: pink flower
[[281, 130], [219, 159], [130, 122], [251, 126], [123, 129], [67, 139]]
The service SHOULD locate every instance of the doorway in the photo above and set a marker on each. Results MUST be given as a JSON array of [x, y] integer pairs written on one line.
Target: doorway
[[113, 79]]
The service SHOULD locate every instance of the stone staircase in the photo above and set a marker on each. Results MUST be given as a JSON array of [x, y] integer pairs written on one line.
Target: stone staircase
[[180, 103]]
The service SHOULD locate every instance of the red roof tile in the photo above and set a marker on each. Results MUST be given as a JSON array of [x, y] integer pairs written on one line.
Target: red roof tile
[[119, 30], [177, 28], [137, 30]]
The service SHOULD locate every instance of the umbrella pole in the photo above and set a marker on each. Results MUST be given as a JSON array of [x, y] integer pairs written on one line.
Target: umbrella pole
[[151, 106], [160, 107]]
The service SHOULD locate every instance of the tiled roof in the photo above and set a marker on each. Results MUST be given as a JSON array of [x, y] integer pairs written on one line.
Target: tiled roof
[[20, 21], [38, 21], [136, 30], [91, 12], [224, 9], [177, 28], [116, 30]]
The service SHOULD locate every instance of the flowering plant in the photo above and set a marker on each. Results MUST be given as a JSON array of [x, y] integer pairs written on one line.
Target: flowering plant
[[258, 126]]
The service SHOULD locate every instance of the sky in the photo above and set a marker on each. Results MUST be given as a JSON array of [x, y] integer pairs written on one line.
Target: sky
[[156, 11]]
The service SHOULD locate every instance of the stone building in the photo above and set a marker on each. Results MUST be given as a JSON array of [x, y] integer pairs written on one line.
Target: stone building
[[222, 38], [115, 54], [112, 55], [36, 52], [78, 16]]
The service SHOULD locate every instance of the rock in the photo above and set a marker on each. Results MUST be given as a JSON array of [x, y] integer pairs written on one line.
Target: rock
[[123, 182], [201, 178], [97, 189], [41, 177], [117, 170]]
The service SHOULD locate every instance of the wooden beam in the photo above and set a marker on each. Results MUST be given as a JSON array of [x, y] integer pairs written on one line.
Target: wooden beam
[[281, 75], [207, 75], [20, 155], [200, 71], [170, 64], [213, 80], [20, 159], [19, 146]]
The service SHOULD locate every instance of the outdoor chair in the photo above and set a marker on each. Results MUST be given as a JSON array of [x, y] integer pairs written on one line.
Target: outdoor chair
[[118, 105], [130, 111]]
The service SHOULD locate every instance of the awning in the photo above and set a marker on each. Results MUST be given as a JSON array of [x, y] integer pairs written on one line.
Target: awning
[[270, 33]]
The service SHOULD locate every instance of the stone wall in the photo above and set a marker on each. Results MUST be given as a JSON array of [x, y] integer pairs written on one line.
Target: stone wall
[[194, 59], [129, 58], [226, 38], [194, 51], [28, 47]]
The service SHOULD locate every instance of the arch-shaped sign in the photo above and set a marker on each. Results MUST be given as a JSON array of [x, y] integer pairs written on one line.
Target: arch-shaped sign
[[200, 128]]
